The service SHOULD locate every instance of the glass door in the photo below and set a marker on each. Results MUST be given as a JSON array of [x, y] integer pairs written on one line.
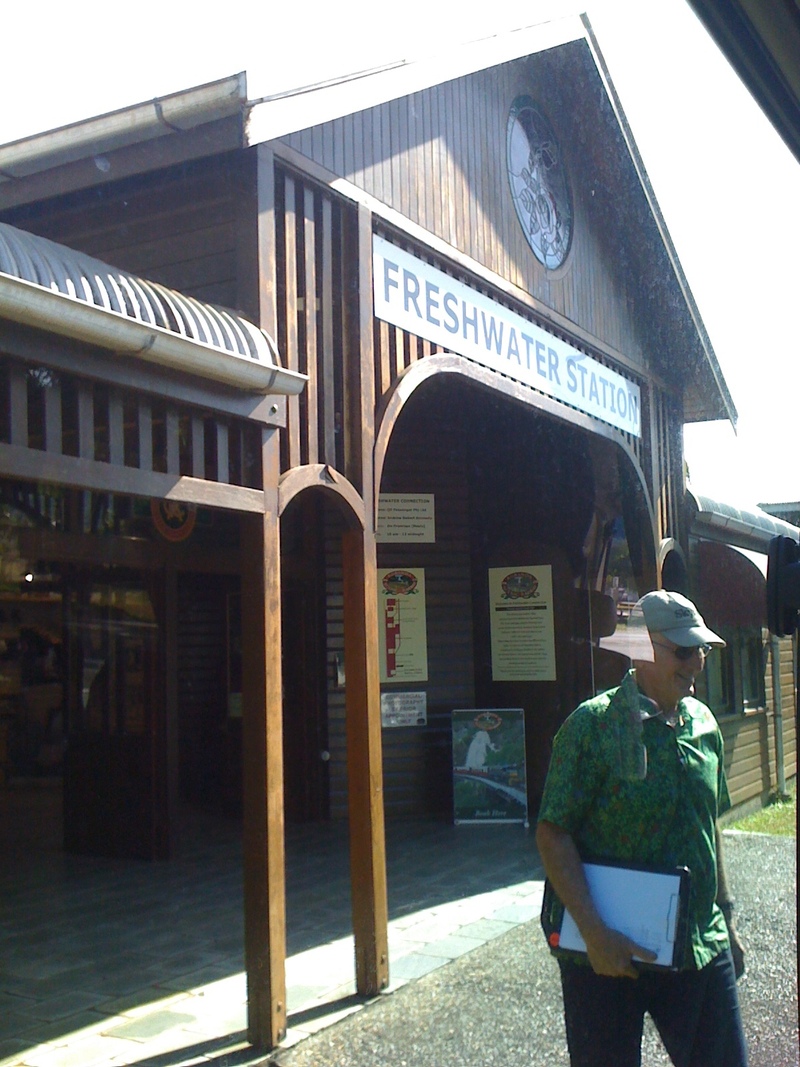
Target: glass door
[[115, 765]]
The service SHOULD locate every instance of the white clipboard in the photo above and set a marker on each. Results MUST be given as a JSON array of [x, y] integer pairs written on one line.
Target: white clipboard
[[647, 905]]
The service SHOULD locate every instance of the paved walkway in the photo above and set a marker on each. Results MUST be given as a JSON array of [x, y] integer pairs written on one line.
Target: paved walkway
[[111, 963]]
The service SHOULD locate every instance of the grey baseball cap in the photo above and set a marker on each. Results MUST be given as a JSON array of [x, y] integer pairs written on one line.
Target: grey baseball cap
[[676, 617]]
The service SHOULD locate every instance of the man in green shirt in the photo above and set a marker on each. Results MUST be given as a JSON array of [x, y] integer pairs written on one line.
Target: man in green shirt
[[637, 776]]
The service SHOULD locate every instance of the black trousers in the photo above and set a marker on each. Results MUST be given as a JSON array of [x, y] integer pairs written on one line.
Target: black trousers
[[696, 1014]]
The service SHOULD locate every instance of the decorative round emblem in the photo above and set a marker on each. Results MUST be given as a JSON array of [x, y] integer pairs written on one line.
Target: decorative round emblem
[[173, 520], [399, 583], [539, 186], [487, 720], [521, 585]]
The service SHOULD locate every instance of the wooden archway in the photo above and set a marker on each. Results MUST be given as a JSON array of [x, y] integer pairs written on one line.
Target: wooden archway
[[414, 376], [321, 476], [363, 722]]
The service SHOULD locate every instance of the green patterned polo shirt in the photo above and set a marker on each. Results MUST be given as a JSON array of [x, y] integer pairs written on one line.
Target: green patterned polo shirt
[[629, 787]]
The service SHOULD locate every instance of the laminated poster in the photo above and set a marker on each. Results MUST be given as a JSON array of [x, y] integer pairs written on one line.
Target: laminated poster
[[402, 627], [522, 626], [489, 782]]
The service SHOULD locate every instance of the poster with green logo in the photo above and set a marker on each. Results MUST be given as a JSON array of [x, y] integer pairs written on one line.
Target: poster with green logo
[[489, 782]]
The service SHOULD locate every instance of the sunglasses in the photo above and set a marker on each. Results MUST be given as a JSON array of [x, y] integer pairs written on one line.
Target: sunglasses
[[683, 653]]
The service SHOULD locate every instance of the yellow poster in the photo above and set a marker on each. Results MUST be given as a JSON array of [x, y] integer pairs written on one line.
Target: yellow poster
[[521, 616], [402, 627]]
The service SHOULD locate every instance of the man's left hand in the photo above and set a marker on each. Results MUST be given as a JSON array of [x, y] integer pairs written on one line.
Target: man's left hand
[[737, 951]]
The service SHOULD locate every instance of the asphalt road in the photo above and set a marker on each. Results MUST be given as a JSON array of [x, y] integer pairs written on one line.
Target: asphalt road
[[501, 1004]]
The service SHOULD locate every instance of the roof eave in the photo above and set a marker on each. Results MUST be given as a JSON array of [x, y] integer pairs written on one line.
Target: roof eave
[[285, 113], [163, 116], [722, 406]]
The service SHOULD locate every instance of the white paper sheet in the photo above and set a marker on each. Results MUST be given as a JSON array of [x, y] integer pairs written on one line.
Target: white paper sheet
[[643, 905]]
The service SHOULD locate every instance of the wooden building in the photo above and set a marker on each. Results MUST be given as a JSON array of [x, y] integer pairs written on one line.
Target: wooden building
[[465, 264], [751, 686]]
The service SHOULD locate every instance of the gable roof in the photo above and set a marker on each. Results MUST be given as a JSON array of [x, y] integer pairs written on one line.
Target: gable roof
[[251, 122]]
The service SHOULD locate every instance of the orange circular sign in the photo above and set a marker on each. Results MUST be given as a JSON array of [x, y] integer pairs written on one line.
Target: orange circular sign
[[173, 519]]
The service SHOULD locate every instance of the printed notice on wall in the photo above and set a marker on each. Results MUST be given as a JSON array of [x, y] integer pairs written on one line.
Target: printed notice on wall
[[402, 628], [521, 613], [405, 517], [404, 709]]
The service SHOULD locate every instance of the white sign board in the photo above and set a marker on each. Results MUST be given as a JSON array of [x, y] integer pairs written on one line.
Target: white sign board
[[404, 709], [417, 297], [406, 517]]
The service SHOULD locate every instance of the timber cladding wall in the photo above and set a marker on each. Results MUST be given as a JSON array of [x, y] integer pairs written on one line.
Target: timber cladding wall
[[428, 455], [750, 747], [175, 226], [439, 158]]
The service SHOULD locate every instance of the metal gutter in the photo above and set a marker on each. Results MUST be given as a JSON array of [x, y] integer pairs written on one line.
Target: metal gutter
[[738, 527], [48, 286], [32, 305], [160, 117]]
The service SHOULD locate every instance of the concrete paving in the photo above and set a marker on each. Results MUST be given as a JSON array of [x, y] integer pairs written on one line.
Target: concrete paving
[[105, 962], [501, 1004], [109, 963]]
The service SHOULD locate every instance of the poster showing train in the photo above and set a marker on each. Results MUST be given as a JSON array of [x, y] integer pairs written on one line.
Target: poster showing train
[[489, 782]]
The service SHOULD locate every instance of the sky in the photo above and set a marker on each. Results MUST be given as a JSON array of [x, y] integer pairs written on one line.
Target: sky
[[726, 184]]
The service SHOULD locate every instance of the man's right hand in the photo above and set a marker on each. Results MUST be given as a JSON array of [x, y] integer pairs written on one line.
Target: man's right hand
[[611, 953]]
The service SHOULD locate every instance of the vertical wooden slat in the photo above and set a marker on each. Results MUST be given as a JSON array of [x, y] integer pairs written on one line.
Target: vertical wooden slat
[[222, 472], [313, 385], [383, 359], [364, 762], [415, 162], [293, 412], [267, 312], [18, 398], [52, 418], [170, 654], [329, 131], [145, 414], [262, 758], [116, 428], [431, 168], [374, 183], [398, 350], [198, 448], [349, 149], [172, 430], [85, 420], [450, 190], [328, 393]]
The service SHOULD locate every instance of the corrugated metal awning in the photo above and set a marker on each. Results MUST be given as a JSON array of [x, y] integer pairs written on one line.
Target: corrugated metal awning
[[740, 527], [52, 287]]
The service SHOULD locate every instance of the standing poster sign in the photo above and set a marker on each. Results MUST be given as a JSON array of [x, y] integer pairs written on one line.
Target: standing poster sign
[[402, 625], [522, 627], [489, 782]]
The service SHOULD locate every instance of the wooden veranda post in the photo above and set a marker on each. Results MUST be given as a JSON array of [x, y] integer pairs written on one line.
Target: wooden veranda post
[[364, 763], [262, 756], [364, 752]]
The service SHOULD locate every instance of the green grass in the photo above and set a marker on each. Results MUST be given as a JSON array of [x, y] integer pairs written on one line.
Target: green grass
[[778, 817]]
